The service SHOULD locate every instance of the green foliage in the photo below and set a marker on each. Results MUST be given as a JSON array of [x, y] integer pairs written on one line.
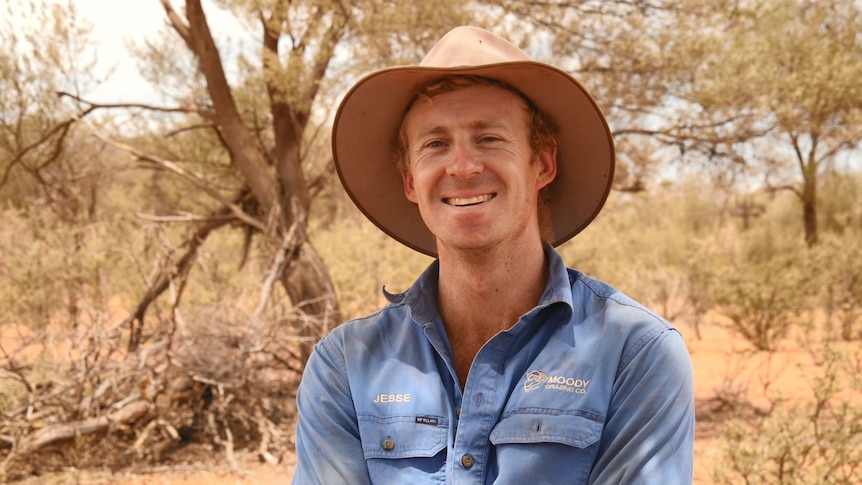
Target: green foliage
[[816, 441], [761, 279]]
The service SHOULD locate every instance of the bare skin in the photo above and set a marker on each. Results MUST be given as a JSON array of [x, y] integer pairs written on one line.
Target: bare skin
[[476, 182]]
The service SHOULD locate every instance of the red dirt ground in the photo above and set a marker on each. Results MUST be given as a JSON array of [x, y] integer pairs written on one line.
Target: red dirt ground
[[720, 360]]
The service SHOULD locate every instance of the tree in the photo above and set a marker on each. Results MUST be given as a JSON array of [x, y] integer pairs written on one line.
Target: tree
[[761, 87], [791, 67], [239, 142], [44, 167], [45, 52], [268, 123]]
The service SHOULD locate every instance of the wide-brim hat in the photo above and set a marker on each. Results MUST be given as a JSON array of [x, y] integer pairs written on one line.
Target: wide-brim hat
[[369, 118]]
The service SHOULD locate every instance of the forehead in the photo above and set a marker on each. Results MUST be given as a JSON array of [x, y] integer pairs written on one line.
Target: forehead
[[474, 104]]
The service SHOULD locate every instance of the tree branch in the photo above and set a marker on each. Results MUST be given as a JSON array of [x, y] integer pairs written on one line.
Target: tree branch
[[282, 258], [62, 129], [66, 431], [179, 268], [94, 106], [239, 142], [195, 180], [177, 22]]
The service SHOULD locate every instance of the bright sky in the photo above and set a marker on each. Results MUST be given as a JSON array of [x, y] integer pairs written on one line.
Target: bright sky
[[117, 22]]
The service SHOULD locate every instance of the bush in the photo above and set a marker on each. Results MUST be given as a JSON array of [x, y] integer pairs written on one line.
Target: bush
[[839, 275], [815, 441], [762, 284]]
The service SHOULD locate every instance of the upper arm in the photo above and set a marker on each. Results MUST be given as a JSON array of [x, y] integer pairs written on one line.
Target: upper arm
[[328, 446], [649, 433]]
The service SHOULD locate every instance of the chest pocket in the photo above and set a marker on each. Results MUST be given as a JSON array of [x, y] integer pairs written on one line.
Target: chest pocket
[[573, 430], [396, 437], [546, 448]]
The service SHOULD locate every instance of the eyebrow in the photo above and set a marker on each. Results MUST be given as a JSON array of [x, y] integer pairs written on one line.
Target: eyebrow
[[478, 124]]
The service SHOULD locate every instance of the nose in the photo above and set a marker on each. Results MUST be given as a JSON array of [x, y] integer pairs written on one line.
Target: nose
[[465, 162]]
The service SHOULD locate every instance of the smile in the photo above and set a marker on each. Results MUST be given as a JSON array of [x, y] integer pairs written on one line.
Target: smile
[[459, 202]]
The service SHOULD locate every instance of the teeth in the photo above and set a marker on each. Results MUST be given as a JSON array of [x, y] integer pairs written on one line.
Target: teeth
[[469, 201]]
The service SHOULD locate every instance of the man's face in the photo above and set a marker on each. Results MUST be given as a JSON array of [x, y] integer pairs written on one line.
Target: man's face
[[471, 170]]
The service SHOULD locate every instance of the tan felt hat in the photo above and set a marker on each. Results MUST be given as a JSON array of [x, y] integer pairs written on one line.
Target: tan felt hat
[[369, 118]]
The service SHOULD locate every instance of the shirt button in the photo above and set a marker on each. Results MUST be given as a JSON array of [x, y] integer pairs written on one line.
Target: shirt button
[[458, 413], [388, 445], [467, 461]]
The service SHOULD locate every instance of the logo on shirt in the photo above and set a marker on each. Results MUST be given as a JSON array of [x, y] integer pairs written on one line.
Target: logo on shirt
[[538, 379]]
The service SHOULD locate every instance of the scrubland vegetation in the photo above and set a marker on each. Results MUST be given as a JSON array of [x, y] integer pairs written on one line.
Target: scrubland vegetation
[[165, 269], [681, 248]]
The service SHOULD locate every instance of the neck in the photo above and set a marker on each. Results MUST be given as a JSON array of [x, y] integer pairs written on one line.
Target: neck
[[481, 293], [484, 292]]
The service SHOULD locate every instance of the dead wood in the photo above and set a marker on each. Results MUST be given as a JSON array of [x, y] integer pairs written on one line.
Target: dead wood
[[214, 383], [60, 432]]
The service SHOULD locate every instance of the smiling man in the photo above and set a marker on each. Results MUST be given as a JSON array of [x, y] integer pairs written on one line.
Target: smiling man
[[499, 365]]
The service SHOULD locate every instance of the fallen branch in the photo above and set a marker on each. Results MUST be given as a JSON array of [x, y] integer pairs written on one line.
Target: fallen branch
[[66, 431]]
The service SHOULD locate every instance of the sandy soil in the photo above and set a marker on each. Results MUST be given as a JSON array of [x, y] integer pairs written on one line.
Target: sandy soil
[[723, 365]]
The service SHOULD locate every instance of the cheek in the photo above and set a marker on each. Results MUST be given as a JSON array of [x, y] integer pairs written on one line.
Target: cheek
[[421, 179]]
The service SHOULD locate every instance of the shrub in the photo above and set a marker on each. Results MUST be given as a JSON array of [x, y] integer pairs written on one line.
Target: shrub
[[802, 441]]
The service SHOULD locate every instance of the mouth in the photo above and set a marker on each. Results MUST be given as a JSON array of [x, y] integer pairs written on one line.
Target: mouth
[[465, 202]]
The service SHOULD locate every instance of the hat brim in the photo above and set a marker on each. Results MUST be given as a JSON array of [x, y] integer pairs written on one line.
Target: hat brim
[[369, 118]]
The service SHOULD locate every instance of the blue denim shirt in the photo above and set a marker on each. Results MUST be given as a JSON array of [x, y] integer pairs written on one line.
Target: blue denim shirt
[[588, 387]]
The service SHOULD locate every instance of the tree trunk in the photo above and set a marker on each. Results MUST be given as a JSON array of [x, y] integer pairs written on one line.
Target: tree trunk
[[809, 203], [310, 289]]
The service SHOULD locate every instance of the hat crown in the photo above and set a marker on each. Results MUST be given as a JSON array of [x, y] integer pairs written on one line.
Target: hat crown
[[472, 46]]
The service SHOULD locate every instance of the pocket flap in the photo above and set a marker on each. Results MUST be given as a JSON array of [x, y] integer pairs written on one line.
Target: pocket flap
[[572, 430], [402, 436]]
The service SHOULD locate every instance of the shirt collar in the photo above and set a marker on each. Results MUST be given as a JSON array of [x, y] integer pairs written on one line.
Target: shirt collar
[[421, 298]]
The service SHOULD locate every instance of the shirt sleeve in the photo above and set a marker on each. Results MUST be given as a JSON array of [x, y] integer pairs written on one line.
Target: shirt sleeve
[[649, 434], [328, 448]]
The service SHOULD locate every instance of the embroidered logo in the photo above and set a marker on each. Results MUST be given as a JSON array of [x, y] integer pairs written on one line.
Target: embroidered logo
[[537, 379]]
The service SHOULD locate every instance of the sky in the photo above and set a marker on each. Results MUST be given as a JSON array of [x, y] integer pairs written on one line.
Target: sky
[[118, 22]]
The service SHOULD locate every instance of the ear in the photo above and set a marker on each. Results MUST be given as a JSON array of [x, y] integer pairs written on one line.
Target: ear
[[547, 166], [409, 188]]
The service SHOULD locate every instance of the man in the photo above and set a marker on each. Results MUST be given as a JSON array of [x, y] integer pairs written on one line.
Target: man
[[499, 365]]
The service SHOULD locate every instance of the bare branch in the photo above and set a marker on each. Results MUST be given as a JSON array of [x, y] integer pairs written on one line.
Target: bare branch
[[196, 180], [94, 106], [183, 217], [62, 129], [181, 267], [282, 258], [177, 22]]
